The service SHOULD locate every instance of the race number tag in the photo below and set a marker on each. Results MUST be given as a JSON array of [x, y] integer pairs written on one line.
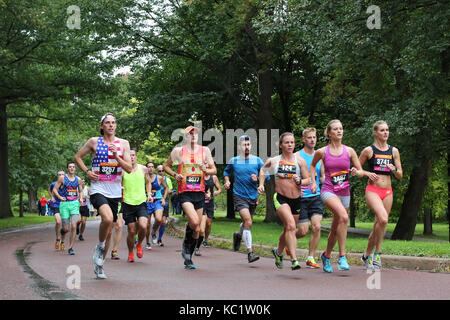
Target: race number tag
[[381, 162], [72, 193], [339, 180], [108, 171], [286, 170], [193, 182]]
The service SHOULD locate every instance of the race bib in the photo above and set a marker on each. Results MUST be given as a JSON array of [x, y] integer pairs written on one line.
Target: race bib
[[72, 193], [381, 162], [286, 170], [193, 182], [339, 180], [108, 171]]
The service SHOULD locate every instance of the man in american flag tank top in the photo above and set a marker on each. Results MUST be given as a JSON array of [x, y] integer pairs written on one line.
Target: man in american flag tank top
[[111, 156]]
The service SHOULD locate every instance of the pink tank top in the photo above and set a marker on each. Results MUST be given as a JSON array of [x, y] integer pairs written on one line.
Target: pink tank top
[[337, 172]]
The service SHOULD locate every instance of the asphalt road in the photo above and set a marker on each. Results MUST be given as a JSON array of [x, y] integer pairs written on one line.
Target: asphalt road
[[32, 270]]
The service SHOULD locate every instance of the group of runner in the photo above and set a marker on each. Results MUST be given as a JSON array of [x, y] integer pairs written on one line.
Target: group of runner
[[116, 177]]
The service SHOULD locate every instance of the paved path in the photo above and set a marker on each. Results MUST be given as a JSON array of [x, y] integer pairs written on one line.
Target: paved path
[[32, 270]]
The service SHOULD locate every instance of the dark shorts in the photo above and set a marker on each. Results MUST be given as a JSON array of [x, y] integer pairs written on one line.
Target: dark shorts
[[309, 207], [55, 210], [131, 213], [294, 204], [166, 211], [84, 211], [242, 203], [97, 200], [196, 198], [208, 209]]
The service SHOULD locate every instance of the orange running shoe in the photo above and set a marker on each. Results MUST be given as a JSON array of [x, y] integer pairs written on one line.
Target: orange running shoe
[[131, 257], [311, 263], [62, 247], [139, 251], [57, 244]]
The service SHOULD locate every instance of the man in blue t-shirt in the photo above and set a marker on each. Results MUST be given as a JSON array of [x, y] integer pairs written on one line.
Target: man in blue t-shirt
[[246, 169], [54, 204], [311, 206]]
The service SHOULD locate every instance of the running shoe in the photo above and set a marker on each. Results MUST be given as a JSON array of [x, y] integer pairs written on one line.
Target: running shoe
[[71, 252], [376, 260], [98, 270], [154, 238], [326, 263], [188, 264], [367, 262], [197, 252], [139, 251], [131, 257], [62, 247], [237, 238], [160, 243], [98, 255], [57, 244], [81, 237], [278, 258], [114, 255], [205, 244], [295, 265], [343, 264], [252, 257], [148, 246], [136, 239], [312, 264]]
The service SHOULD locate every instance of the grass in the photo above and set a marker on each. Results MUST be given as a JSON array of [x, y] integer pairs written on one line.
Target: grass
[[27, 220], [268, 234]]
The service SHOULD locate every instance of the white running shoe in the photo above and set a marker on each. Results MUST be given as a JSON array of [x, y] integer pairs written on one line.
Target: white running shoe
[[100, 272], [98, 256]]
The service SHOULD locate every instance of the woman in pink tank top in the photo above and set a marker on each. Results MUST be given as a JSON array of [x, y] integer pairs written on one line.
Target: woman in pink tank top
[[335, 192]]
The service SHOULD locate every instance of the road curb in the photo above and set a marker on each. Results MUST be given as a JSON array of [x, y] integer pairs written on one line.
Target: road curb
[[389, 261]]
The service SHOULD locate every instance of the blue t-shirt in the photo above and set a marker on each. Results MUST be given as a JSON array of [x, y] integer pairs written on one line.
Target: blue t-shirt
[[307, 189], [244, 186]]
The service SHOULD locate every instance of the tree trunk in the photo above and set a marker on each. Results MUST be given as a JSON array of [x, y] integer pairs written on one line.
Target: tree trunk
[[32, 199], [5, 205], [427, 221], [21, 203], [404, 230]]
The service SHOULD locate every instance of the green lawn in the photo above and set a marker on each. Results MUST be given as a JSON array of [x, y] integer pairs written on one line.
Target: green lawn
[[28, 219], [268, 234]]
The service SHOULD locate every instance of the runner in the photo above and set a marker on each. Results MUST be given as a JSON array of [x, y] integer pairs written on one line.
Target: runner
[[134, 205], [335, 191], [209, 205], [191, 159], [69, 192], [111, 156], [165, 215], [84, 211], [246, 168], [291, 172], [311, 206], [383, 160], [156, 204], [59, 244]]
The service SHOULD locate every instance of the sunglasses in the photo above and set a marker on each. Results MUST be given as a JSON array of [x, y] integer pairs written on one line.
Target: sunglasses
[[160, 170]]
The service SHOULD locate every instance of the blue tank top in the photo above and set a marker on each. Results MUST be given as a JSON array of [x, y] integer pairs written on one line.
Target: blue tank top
[[307, 189], [156, 189], [70, 189]]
